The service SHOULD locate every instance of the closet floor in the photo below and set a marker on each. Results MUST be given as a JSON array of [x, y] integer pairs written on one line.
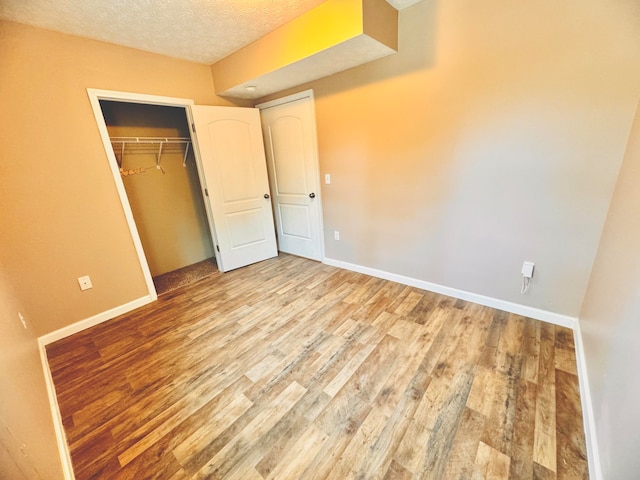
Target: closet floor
[[184, 276]]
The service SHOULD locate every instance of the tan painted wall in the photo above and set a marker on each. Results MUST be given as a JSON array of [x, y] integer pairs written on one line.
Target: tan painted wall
[[61, 217], [24, 408], [610, 326], [493, 136], [168, 208]]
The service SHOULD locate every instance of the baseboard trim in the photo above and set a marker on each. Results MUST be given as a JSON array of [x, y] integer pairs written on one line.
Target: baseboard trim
[[588, 418], [94, 320], [518, 309], [61, 438], [44, 340]]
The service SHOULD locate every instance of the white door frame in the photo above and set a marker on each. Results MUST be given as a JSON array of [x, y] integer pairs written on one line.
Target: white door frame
[[292, 98], [95, 95]]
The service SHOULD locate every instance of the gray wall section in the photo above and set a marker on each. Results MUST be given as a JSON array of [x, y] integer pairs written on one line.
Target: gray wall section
[[610, 323]]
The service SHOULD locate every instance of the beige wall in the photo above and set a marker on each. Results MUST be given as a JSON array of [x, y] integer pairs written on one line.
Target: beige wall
[[493, 136], [168, 208], [25, 416], [610, 326], [61, 217]]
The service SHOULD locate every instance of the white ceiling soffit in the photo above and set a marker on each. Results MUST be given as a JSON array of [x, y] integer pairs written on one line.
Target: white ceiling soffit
[[199, 31], [402, 4], [348, 54]]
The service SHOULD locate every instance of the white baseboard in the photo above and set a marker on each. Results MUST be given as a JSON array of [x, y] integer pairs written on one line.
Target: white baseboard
[[94, 320], [588, 419], [61, 438], [44, 340], [524, 310]]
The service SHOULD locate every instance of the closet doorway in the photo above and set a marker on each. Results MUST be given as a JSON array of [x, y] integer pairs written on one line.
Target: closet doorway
[[153, 149], [157, 171], [231, 171], [154, 152]]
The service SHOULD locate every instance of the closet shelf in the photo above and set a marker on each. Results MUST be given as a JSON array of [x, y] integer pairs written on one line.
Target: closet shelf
[[150, 145]]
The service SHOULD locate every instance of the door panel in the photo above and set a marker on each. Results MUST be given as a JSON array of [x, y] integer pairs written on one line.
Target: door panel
[[233, 164], [245, 227], [286, 136], [295, 220], [232, 140], [292, 160]]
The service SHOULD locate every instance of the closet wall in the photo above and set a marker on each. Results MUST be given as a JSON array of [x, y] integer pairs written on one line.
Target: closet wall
[[168, 207]]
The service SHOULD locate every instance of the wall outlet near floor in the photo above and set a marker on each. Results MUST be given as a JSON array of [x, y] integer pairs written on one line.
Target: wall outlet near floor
[[527, 269], [85, 282], [336, 235]]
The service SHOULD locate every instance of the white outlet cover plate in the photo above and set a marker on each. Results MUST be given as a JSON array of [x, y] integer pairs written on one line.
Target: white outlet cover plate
[[85, 282], [527, 269]]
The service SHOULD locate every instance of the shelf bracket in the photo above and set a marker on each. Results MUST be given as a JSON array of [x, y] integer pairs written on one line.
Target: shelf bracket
[[186, 152]]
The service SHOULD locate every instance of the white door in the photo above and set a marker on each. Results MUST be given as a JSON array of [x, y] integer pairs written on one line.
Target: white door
[[289, 130], [233, 165]]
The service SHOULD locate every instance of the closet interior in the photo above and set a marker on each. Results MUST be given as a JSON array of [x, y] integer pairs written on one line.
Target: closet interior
[[152, 145]]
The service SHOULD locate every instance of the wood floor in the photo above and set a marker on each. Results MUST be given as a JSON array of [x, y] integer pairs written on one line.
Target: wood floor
[[293, 369]]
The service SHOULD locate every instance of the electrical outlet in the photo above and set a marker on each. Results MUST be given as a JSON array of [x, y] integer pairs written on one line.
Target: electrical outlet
[[85, 282], [527, 269], [336, 235], [22, 320]]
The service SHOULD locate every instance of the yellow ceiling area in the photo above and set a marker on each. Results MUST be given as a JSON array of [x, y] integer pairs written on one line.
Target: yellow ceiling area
[[334, 36]]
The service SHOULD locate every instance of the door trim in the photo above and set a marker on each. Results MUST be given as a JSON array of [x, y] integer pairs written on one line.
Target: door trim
[[95, 95], [293, 98], [288, 99]]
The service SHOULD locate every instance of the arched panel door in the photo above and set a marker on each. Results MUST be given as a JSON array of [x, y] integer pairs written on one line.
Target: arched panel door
[[292, 157], [237, 187]]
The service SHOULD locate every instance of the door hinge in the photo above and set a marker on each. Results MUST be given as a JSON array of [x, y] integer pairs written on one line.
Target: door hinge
[[217, 248], [206, 192], [193, 127]]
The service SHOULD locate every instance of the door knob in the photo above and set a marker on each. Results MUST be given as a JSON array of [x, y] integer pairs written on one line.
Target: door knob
[[266, 195], [312, 195]]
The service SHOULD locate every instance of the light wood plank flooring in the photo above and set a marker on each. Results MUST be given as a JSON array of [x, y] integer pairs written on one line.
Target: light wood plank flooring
[[293, 369]]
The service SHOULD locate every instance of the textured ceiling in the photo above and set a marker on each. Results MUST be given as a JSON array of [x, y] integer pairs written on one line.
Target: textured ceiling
[[202, 31], [198, 30]]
